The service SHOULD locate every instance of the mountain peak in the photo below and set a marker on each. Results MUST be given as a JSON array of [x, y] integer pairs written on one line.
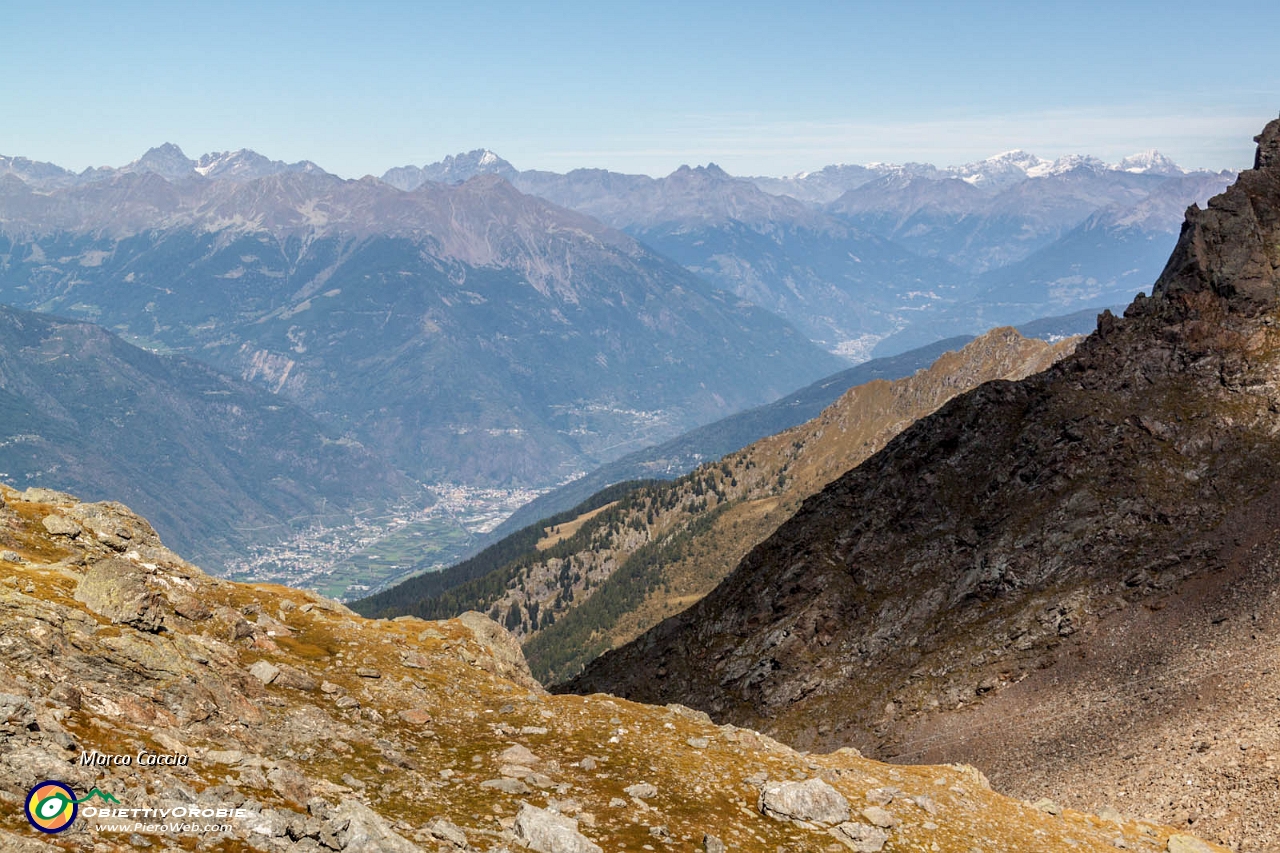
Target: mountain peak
[[166, 160], [1150, 162], [453, 169]]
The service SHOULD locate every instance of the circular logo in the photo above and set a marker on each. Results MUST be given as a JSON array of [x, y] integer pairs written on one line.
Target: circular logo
[[51, 806]]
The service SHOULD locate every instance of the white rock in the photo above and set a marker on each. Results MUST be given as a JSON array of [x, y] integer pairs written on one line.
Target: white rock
[[812, 800], [547, 832]]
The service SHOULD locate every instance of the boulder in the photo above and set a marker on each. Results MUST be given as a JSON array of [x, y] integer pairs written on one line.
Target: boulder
[[547, 832], [813, 801], [505, 658]]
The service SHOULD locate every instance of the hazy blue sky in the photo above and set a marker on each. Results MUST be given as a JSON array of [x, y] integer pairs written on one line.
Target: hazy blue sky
[[642, 87]]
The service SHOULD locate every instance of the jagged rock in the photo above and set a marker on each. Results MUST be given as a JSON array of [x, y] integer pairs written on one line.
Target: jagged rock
[[812, 800], [547, 832], [711, 844]]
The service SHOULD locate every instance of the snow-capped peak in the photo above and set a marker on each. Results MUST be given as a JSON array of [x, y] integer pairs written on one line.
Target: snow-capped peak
[[1149, 162]]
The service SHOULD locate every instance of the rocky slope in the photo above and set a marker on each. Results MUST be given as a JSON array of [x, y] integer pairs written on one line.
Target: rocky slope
[[218, 463], [1046, 577], [141, 683], [589, 583]]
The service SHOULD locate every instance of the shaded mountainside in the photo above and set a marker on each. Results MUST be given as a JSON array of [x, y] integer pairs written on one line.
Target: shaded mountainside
[[320, 730], [1046, 577], [467, 333], [588, 580], [217, 462]]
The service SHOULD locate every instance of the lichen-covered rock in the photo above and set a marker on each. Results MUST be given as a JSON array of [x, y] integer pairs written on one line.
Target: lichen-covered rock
[[121, 591]]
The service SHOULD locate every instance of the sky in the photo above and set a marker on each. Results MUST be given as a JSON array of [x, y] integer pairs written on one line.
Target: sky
[[758, 88]]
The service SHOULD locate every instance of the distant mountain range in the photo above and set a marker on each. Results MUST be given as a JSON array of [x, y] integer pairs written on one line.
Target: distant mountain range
[[466, 333], [885, 257]]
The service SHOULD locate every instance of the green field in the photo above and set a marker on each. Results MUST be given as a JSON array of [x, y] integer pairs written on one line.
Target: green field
[[420, 546]]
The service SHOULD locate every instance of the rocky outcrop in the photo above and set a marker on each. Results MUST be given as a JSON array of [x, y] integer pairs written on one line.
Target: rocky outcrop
[[1087, 550]]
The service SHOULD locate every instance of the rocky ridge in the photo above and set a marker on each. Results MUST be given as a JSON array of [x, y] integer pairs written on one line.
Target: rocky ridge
[[335, 733], [1089, 550]]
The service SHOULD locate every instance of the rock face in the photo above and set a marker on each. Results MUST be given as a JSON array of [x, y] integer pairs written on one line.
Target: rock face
[[263, 699], [1074, 559]]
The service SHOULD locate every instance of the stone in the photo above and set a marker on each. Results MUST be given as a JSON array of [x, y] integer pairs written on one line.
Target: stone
[[365, 831], [1047, 806], [294, 678], [1180, 843], [547, 832], [860, 837], [442, 830], [368, 672], [265, 671], [505, 658], [120, 590], [16, 712], [57, 525], [698, 742], [813, 801], [711, 844], [507, 786], [880, 817], [414, 716], [518, 754], [641, 791]]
